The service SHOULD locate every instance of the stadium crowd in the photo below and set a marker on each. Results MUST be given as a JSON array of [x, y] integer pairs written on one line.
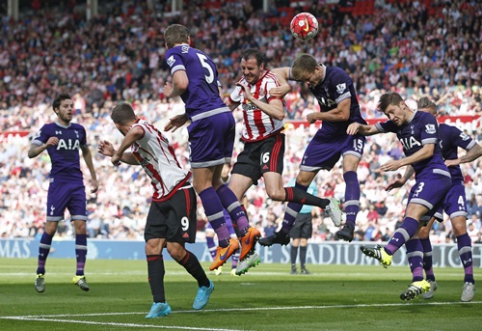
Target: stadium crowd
[[119, 56]]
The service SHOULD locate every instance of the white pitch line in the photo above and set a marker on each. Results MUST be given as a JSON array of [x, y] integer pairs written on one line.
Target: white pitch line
[[182, 273], [251, 309], [131, 325]]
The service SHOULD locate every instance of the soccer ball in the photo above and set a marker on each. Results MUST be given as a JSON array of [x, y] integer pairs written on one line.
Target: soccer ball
[[304, 26]]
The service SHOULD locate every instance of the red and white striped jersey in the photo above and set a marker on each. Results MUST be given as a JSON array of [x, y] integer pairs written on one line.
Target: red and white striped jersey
[[158, 159], [257, 124]]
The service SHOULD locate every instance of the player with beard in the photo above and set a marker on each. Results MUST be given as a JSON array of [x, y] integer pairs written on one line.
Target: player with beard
[[62, 140], [263, 137]]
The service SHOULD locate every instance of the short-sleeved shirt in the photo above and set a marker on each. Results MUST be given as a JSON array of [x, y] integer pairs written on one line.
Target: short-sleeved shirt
[[65, 155], [257, 124], [159, 161], [336, 87], [452, 138], [422, 129], [201, 97]]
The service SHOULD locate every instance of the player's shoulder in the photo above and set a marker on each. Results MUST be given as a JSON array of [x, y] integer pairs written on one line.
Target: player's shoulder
[[446, 127], [172, 54], [334, 71], [270, 76], [335, 75], [424, 116], [77, 126], [141, 123], [148, 128], [49, 126], [452, 130], [182, 50]]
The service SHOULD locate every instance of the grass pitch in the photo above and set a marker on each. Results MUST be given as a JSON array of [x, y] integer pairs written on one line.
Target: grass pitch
[[267, 298]]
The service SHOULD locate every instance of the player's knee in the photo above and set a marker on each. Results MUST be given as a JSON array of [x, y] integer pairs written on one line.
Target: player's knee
[[209, 234], [81, 228], [50, 228], [154, 246], [276, 194], [151, 250], [423, 233], [459, 229], [177, 252]]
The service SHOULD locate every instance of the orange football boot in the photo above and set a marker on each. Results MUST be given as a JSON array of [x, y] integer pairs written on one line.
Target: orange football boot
[[223, 254], [248, 241]]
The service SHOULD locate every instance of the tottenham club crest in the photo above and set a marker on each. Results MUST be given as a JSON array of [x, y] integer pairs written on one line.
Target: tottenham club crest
[[340, 88], [430, 128]]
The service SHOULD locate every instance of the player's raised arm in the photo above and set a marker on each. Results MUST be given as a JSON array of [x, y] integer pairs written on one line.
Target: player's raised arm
[[365, 130], [132, 136], [283, 75], [339, 114], [107, 149], [274, 107]]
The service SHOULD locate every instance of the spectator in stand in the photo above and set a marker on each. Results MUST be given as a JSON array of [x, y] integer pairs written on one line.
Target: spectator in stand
[[381, 208], [270, 228]]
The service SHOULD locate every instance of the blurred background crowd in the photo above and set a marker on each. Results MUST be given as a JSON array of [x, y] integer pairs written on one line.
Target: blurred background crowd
[[416, 48]]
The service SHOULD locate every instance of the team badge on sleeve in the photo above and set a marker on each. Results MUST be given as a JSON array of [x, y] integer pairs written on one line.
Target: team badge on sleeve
[[171, 60], [430, 128], [464, 136], [340, 88]]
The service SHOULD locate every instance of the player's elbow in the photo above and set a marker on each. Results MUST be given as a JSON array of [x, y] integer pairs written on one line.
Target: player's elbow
[[279, 116], [429, 152], [31, 154], [181, 84], [479, 150], [344, 116]]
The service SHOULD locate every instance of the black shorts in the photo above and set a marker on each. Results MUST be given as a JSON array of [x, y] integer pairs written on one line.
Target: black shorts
[[303, 228], [261, 156], [173, 219]]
